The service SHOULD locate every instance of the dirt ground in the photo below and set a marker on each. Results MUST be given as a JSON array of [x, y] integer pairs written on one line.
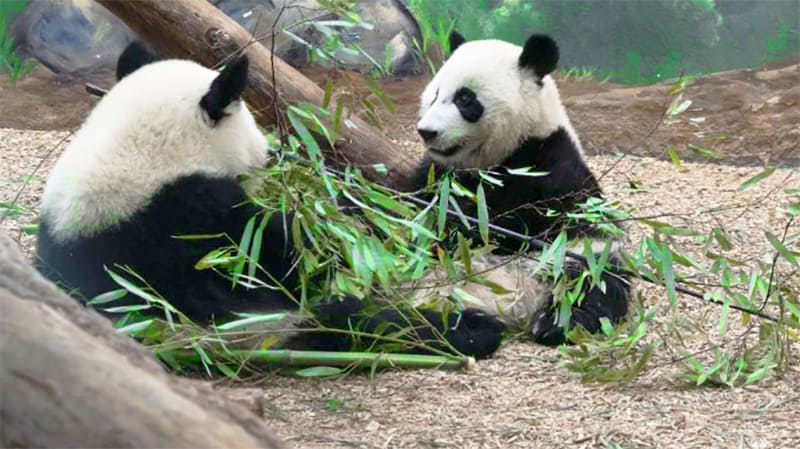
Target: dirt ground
[[520, 397]]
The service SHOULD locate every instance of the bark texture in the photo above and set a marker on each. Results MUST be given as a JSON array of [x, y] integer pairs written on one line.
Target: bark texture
[[69, 379]]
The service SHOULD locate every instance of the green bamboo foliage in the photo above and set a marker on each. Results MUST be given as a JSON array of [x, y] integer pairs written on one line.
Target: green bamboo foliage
[[362, 239]]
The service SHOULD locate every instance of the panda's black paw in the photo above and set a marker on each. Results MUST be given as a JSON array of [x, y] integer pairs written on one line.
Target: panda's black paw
[[336, 312], [476, 333], [546, 330], [477, 319]]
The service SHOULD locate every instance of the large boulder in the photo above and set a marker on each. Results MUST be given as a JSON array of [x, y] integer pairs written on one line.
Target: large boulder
[[70, 37]]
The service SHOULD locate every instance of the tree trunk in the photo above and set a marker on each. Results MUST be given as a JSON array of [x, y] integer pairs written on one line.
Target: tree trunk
[[197, 30], [68, 379]]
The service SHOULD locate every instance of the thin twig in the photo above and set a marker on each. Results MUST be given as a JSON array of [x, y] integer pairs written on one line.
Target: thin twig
[[775, 263], [664, 110], [276, 111]]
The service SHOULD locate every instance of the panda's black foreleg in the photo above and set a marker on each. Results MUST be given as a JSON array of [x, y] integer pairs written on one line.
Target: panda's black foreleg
[[470, 332], [613, 304]]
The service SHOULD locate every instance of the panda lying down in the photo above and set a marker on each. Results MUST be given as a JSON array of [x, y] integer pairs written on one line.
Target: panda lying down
[[159, 155]]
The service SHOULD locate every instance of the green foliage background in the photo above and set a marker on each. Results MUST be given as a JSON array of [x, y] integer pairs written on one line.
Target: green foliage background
[[9, 61], [634, 41]]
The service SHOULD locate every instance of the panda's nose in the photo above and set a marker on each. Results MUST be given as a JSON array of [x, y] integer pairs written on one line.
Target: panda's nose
[[426, 134]]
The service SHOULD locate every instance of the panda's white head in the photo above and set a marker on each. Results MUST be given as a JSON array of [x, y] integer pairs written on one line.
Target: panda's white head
[[488, 97], [162, 120]]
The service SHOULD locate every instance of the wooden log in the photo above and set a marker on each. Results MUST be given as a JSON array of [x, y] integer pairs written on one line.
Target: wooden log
[[197, 30], [68, 379]]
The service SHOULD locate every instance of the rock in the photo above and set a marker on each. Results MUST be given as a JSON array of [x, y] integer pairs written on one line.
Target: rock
[[71, 37]]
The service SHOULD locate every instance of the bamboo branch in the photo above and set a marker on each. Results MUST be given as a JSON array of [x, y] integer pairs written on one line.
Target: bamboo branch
[[356, 359]]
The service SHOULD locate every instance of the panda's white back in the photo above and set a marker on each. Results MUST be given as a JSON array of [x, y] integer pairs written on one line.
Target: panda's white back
[[147, 131]]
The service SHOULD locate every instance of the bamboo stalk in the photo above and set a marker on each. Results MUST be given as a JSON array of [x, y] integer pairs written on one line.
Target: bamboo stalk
[[288, 357]]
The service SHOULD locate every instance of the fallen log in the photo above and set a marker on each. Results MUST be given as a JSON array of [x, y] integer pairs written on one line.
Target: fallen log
[[197, 30], [68, 379]]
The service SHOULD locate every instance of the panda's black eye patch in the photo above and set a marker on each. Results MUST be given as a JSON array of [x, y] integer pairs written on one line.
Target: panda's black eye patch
[[468, 105]]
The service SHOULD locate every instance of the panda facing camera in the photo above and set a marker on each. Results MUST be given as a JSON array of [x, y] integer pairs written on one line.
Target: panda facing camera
[[493, 105], [158, 158]]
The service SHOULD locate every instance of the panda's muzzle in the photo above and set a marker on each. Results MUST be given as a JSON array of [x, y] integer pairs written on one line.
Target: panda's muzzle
[[449, 151]]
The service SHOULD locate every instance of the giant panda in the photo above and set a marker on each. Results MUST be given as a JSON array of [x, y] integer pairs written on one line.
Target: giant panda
[[158, 158], [494, 106]]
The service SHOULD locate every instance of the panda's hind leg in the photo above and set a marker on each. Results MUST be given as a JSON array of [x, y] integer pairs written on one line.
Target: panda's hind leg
[[613, 304]]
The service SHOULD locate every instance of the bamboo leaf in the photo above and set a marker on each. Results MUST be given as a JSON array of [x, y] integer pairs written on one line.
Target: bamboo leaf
[[312, 147], [106, 297], [319, 371], [483, 215], [606, 326], [135, 328], [326, 99], [673, 155], [526, 171], [755, 179], [558, 250], [204, 358], [337, 115], [466, 258], [722, 239], [126, 309], [491, 179], [244, 247], [198, 236], [431, 177], [389, 203], [129, 286], [723, 320], [460, 213], [463, 296], [707, 152], [249, 320], [461, 191], [444, 198], [255, 250], [678, 108], [781, 248], [757, 374], [217, 257]]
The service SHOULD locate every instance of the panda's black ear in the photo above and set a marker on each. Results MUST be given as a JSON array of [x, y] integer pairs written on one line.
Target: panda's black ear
[[540, 54], [227, 87], [135, 55], [456, 39]]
